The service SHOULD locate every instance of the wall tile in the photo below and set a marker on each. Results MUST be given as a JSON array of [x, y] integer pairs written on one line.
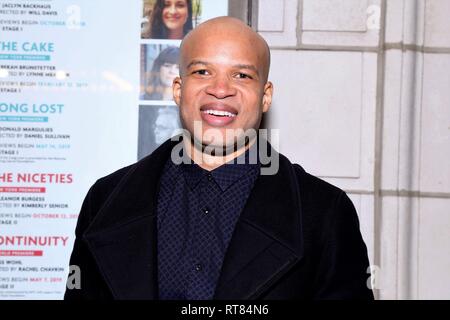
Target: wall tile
[[317, 100], [341, 23], [335, 15], [409, 125], [388, 274], [413, 22], [288, 20], [394, 21], [435, 142], [434, 250], [437, 26], [271, 15], [391, 119]]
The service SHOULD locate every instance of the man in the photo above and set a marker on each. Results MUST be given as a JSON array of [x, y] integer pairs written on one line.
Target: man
[[212, 227], [156, 125]]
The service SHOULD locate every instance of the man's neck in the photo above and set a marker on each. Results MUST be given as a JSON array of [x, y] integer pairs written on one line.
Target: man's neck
[[209, 161]]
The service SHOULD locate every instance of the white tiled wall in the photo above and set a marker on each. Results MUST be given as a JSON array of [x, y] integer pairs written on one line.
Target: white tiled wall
[[335, 86]]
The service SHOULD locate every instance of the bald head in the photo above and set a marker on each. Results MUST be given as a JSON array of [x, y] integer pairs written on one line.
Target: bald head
[[221, 29]]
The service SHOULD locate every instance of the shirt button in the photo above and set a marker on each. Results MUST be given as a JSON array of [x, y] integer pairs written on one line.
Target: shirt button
[[198, 267], [206, 210], [209, 176]]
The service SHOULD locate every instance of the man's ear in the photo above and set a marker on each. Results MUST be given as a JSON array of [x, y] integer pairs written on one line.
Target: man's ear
[[176, 88], [267, 97]]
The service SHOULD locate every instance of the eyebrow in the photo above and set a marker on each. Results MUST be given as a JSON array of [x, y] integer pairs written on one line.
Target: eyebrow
[[238, 66]]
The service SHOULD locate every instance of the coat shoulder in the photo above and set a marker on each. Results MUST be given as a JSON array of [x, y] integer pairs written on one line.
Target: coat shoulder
[[315, 189], [321, 204], [318, 197], [105, 186], [100, 192]]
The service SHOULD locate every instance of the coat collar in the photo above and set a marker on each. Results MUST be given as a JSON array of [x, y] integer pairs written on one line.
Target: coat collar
[[266, 243]]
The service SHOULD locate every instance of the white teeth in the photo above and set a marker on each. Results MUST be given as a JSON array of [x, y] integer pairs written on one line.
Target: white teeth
[[220, 113]]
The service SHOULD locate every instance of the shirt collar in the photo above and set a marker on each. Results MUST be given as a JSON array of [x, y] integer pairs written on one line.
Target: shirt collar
[[225, 175]]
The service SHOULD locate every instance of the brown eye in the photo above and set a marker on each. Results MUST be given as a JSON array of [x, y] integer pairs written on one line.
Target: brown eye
[[201, 72], [243, 76]]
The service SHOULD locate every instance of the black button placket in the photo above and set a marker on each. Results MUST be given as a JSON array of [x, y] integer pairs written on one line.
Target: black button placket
[[208, 194]]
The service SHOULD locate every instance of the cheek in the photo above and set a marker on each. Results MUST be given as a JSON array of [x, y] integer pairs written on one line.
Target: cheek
[[251, 100], [184, 14], [252, 107], [190, 93]]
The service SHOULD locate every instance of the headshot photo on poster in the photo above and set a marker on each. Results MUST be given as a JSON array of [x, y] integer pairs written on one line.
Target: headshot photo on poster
[[159, 67], [169, 19], [156, 125]]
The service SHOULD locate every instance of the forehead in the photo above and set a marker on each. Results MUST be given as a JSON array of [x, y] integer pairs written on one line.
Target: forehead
[[177, 2], [222, 50], [174, 1]]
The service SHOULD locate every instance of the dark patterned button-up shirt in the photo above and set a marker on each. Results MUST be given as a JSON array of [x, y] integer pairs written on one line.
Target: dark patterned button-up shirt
[[197, 213]]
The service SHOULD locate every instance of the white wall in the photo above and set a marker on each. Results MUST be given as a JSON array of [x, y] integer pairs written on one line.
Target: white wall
[[362, 98]]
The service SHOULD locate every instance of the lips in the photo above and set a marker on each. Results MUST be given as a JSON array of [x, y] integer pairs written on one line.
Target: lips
[[173, 17], [218, 115]]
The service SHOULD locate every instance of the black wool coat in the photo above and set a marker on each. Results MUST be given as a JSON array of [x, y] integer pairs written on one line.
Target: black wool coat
[[297, 237]]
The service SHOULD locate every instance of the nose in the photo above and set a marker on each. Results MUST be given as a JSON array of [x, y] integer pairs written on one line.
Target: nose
[[172, 9], [221, 87]]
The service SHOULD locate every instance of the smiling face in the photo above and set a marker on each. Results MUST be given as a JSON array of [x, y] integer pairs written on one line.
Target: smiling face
[[174, 15], [165, 125], [168, 72], [223, 84]]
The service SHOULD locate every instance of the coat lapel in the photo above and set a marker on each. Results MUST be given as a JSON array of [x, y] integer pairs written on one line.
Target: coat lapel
[[122, 237], [267, 241]]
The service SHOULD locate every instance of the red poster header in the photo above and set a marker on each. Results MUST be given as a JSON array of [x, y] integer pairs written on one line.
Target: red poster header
[[21, 253], [22, 190]]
